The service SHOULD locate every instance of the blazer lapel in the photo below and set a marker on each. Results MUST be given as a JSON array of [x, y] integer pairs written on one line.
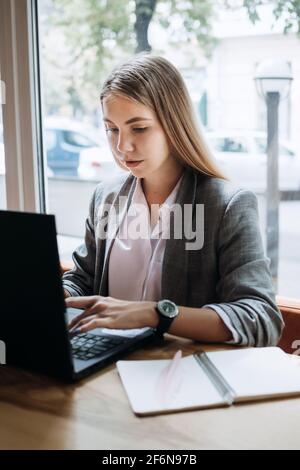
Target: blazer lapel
[[175, 262], [124, 196]]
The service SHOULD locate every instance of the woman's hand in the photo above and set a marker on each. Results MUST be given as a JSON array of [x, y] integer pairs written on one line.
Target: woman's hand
[[107, 312]]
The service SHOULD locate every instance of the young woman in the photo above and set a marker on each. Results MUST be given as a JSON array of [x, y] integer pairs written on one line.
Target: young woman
[[215, 289]]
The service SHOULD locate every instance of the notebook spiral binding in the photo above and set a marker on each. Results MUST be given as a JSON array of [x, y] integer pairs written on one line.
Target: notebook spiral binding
[[216, 378]]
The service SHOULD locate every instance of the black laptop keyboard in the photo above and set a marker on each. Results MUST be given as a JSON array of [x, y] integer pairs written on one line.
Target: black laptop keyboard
[[87, 346]]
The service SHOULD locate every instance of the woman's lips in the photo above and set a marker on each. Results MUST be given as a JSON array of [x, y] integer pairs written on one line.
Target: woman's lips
[[133, 163]]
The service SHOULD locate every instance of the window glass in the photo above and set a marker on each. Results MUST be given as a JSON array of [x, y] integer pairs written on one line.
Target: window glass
[[217, 48], [77, 140], [217, 144], [50, 139], [262, 148], [235, 145]]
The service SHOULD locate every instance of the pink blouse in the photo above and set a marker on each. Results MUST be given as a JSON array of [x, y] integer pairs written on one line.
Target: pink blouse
[[135, 264]]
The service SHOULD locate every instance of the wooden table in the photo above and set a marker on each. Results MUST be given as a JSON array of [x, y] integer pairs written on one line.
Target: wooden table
[[40, 413]]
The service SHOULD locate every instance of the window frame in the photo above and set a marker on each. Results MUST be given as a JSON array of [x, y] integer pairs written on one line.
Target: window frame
[[22, 112]]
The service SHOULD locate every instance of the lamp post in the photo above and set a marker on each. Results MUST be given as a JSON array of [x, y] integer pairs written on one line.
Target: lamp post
[[273, 82]]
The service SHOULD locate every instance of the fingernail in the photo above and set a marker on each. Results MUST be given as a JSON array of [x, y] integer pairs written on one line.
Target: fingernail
[[77, 331]]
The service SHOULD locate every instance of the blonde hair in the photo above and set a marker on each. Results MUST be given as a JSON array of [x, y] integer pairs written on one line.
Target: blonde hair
[[157, 84]]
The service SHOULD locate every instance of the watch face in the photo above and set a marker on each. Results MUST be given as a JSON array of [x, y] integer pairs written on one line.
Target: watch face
[[168, 308]]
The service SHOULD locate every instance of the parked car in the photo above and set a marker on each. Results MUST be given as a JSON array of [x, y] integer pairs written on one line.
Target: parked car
[[64, 140], [242, 156], [97, 163]]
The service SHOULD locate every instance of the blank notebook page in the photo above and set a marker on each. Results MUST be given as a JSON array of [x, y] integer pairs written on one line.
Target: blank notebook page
[[258, 371], [144, 382]]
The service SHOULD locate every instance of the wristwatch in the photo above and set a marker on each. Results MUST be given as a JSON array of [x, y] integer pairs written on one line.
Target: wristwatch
[[167, 311]]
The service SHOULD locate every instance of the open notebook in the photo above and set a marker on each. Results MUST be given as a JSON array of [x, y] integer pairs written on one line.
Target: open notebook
[[213, 379]]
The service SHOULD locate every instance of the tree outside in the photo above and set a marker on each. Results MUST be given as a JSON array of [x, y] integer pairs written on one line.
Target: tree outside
[[84, 39]]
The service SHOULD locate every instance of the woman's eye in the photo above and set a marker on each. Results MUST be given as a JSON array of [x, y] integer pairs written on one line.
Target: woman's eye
[[139, 129], [111, 129], [114, 130]]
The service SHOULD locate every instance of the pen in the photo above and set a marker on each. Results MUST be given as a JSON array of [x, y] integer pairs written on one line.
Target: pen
[[166, 381], [172, 367]]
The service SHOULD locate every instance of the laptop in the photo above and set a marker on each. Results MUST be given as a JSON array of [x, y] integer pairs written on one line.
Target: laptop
[[33, 316]]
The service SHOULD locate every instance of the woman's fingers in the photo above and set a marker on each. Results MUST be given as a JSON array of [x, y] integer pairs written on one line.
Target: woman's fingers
[[81, 322], [94, 310], [81, 302], [99, 312], [77, 319], [95, 323]]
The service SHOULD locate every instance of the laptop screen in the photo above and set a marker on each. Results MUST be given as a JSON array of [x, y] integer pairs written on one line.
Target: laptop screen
[[32, 315]]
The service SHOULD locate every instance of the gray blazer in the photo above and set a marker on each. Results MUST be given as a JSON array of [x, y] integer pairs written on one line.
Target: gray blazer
[[230, 271]]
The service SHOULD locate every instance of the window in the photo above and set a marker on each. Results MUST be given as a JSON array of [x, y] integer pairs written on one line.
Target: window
[[234, 145], [95, 36], [50, 140], [77, 140], [217, 144], [93, 41], [227, 144], [261, 144]]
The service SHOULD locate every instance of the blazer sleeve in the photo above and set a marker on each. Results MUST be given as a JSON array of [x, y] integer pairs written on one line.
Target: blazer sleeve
[[80, 280], [245, 287]]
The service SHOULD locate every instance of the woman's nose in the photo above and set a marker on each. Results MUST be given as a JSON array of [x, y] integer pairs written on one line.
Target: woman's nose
[[124, 144]]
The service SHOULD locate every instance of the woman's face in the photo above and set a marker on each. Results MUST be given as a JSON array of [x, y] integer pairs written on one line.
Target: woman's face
[[135, 136]]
